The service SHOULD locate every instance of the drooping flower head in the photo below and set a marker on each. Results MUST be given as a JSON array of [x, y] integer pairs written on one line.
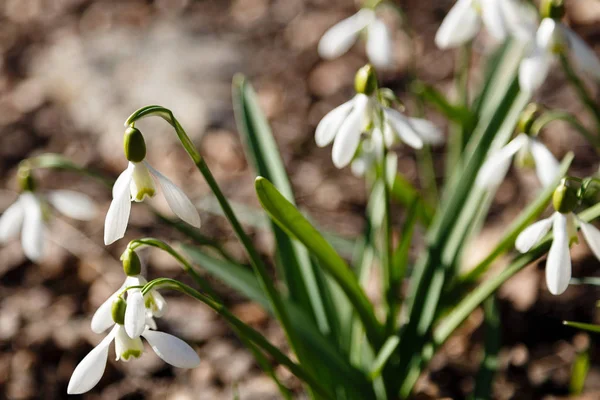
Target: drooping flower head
[[137, 183], [552, 40], [171, 349], [529, 152], [563, 224], [338, 39], [30, 212], [370, 115]]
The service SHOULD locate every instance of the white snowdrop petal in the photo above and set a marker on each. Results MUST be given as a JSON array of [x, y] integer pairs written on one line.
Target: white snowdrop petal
[[496, 166], [534, 70], [460, 25], [379, 45], [117, 216], [583, 55], [89, 371], [330, 124], [142, 184], [32, 235], [123, 180], [102, 318], [531, 235], [172, 349], [521, 19], [403, 129], [558, 265], [592, 237], [493, 18], [178, 201], [160, 304], [338, 39], [135, 314], [548, 34], [546, 165], [73, 204], [11, 221], [348, 138], [427, 131]]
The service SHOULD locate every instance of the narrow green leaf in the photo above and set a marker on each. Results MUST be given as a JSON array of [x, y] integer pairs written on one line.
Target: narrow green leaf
[[489, 363], [383, 356], [293, 222], [581, 325]]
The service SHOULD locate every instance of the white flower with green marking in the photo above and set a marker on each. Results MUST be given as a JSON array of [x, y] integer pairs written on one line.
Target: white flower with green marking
[[563, 225], [30, 212], [138, 182], [530, 152], [552, 39]]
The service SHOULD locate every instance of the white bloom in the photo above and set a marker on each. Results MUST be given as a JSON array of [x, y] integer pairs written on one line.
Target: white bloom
[[339, 38], [134, 184], [496, 166], [168, 347], [157, 306], [345, 124], [558, 265], [28, 214], [553, 38], [464, 20]]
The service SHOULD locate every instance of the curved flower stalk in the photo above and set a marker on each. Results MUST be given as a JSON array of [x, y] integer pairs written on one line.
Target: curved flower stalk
[[30, 213], [465, 18], [171, 349], [369, 114], [563, 225], [338, 39], [552, 40], [136, 183]]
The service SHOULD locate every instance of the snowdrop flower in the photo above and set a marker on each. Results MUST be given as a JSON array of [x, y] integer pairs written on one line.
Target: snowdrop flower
[[339, 38], [530, 152], [153, 301], [29, 214], [464, 20], [171, 349], [552, 40], [364, 113], [563, 225], [135, 184]]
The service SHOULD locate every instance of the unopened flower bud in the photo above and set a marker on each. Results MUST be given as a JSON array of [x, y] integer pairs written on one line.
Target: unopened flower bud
[[132, 265], [554, 9], [565, 197], [118, 311], [528, 117], [134, 145], [365, 81]]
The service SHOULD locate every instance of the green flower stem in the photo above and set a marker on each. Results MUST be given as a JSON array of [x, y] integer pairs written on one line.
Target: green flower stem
[[249, 333], [258, 265], [386, 242], [581, 90], [550, 116], [187, 267]]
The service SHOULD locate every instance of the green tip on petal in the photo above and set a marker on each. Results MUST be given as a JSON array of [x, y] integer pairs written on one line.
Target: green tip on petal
[[134, 145]]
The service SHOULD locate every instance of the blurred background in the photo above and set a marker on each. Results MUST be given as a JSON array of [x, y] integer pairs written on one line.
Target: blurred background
[[71, 72]]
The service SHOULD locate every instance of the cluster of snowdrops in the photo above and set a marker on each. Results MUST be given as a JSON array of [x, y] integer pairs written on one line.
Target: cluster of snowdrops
[[363, 132]]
